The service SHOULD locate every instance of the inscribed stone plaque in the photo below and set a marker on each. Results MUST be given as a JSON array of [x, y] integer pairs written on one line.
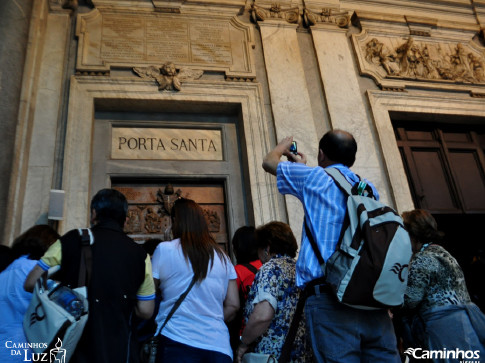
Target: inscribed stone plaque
[[165, 144], [212, 42]]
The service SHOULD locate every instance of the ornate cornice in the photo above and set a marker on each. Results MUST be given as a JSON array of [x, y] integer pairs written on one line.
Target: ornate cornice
[[326, 16], [275, 12]]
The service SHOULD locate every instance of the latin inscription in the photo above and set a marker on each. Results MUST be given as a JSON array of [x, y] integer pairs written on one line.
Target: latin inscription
[[166, 144], [155, 39]]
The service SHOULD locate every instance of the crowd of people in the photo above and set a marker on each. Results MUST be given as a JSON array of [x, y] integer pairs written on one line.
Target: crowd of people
[[185, 301]]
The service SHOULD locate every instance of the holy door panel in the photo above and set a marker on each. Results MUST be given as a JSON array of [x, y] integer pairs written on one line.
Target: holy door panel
[[150, 204]]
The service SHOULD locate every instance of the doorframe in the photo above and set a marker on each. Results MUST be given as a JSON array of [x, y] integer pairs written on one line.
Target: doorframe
[[433, 103], [86, 90]]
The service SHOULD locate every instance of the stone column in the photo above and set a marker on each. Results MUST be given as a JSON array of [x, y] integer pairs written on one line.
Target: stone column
[[14, 31], [290, 101], [48, 103], [345, 101]]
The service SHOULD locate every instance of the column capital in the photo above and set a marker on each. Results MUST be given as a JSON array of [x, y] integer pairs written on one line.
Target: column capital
[[275, 13], [326, 18]]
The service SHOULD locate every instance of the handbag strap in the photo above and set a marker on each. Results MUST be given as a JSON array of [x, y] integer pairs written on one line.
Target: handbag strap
[[251, 268], [295, 322], [86, 264], [291, 335], [178, 302]]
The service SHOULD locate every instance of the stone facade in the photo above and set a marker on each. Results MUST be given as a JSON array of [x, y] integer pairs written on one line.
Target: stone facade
[[289, 68]]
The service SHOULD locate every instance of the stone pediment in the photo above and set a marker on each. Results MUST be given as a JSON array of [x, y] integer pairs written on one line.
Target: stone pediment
[[126, 39], [397, 62]]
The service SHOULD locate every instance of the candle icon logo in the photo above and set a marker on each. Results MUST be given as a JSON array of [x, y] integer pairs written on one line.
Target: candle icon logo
[[57, 354]]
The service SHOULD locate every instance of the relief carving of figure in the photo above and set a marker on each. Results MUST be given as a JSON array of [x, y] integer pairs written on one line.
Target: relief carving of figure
[[378, 52], [167, 77], [152, 221], [213, 220], [133, 224], [460, 64], [167, 198], [430, 69], [477, 67], [426, 61], [411, 59]]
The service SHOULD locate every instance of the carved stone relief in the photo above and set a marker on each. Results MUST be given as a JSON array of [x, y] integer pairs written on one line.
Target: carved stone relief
[[409, 59], [289, 15], [326, 16], [167, 77]]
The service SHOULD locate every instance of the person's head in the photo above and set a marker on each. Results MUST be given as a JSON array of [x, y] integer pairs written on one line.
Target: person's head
[[198, 245], [34, 241], [422, 228], [109, 204], [244, 244], [337, 147], [275, 238]]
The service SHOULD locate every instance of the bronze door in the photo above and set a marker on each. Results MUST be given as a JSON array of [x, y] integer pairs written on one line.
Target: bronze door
[[150, 205]]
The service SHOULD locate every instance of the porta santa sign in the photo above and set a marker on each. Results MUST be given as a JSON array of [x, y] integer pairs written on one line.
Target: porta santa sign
[[165, 144]]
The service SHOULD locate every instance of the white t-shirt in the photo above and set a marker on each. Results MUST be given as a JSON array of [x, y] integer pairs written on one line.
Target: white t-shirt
[[199, 320]]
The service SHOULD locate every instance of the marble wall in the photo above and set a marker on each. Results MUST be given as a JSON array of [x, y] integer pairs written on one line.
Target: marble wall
[[14, 34]]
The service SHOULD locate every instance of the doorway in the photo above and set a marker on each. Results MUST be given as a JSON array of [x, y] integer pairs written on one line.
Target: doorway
[[445, 167], [151, 183]]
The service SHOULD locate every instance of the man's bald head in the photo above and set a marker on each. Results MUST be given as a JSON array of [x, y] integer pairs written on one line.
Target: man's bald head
[[339, 146]]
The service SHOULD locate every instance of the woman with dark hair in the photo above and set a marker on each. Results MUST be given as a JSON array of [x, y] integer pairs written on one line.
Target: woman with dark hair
[[14, 300], [245, 248], [196, 331], [273, 297], [440, 312]]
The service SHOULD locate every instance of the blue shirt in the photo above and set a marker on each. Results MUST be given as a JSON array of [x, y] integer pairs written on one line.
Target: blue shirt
[[325, 207], [14, 301]]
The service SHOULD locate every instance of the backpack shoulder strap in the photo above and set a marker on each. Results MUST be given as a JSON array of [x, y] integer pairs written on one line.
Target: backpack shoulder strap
[[86, 264], [251, 268], [340, 180]]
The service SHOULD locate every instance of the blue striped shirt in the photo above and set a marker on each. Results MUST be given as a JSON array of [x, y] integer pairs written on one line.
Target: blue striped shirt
[[325, 207]]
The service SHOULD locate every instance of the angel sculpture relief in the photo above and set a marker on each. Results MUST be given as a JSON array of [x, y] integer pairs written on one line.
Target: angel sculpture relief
[[167, 77]]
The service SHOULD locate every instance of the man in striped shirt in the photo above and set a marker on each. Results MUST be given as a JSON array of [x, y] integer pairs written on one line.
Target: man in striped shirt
[[339, 333]]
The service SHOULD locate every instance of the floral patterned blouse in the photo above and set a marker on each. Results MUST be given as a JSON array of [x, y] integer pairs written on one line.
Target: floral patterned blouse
[[435, 279], [275, 283]]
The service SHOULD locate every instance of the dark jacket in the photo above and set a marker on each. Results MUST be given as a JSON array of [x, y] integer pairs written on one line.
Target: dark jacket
[[118, 270]]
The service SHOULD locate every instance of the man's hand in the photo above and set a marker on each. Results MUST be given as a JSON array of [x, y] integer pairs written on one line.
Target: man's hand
[[298, 158], [272, 159]]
